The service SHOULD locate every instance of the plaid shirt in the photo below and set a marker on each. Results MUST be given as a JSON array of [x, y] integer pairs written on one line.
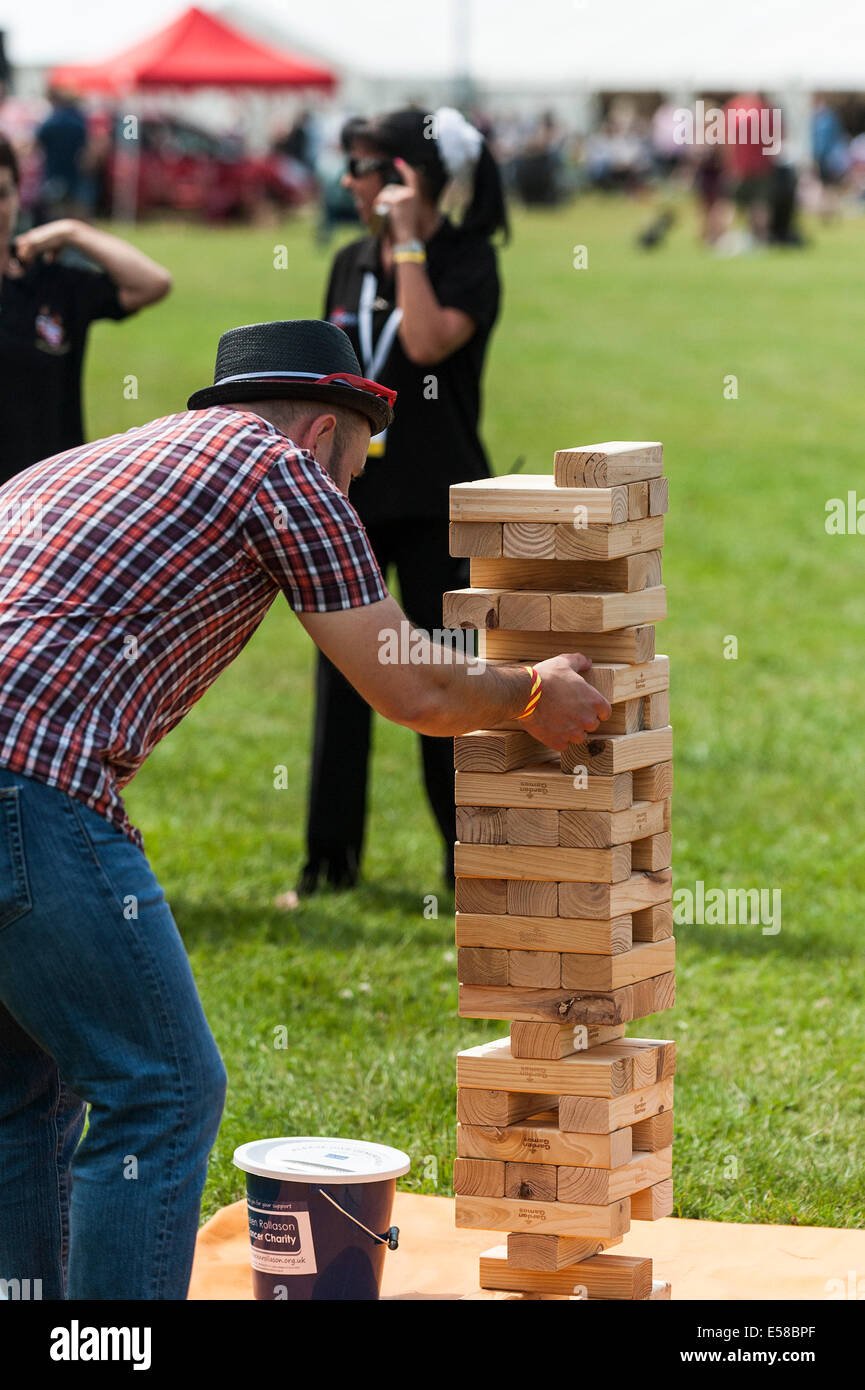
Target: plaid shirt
[[133, 570]]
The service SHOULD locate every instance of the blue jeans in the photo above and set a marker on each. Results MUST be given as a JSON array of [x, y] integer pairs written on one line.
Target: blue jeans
[[98, 1005]]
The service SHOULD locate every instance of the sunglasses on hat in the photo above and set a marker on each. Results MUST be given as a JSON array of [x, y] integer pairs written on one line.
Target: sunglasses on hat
[[361, 383]]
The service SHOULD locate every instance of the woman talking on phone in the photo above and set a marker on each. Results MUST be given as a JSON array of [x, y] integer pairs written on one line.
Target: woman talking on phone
[[418, 297]]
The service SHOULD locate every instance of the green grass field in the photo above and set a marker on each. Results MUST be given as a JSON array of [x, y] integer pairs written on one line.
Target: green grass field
[[769, 746]]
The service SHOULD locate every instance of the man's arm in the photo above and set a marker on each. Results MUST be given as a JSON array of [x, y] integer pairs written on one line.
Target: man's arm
[[446, 699], [139, 280]]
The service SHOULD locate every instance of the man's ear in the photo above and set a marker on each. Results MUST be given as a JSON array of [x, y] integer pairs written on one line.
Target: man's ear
[[322, 425]]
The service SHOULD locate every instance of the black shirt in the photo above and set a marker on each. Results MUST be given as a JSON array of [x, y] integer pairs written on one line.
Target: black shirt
[[44, 317], [434, 438]]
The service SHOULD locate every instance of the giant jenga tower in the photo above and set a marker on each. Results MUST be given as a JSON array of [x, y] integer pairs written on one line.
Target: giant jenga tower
[[564, 920]]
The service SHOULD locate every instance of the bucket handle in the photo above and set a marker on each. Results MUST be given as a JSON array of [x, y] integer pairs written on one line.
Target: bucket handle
[[390, 1238]]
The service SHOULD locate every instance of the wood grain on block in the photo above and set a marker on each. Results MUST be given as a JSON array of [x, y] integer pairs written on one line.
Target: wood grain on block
[[479, 965], [606, 1070], [542, 862], [535, 497], [657, 710], [654, 1133], [533, 1182], [535, 969], [654, 852], [532, 826], [635, 644], [499, 1108], [603, 612], [653, 1202], [481, 895], [552, 1041], [593, 1115], [654, 1059], [528, 540], [653, 783], [476, 539], [494, 750], [627, 717], [569, 1006], [601, 1186], [611, 827], [537, 1253], [619, 1277], [482, 825], [529, 612], [517, 932], [618, 681], [532, 898], [479, 1177], [471, 608], [607, 542], [556, 1218], [602, 465], [605, 901], [603, 755], [592, 972], [626, 575], [653, 923], [638, 500], [659, 496], [544, 784], [538, 1139]]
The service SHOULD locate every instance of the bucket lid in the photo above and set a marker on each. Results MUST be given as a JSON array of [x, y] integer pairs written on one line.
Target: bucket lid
[[316, 1159]]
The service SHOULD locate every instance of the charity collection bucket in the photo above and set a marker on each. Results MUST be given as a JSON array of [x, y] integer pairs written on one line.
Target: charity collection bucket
[[319, 1215]]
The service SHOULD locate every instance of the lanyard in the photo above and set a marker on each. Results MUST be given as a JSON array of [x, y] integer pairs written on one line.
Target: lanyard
[[374, 359]]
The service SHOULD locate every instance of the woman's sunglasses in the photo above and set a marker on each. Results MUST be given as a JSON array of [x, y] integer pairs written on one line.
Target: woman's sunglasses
[[359, 168]]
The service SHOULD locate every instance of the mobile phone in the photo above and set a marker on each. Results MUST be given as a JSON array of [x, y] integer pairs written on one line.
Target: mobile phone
[[378, 221]]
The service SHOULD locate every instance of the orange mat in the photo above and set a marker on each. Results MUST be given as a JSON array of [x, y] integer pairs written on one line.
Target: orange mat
[[701, 1259]]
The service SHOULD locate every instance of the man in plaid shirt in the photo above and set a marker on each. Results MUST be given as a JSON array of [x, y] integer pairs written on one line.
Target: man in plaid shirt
[[132, 571]]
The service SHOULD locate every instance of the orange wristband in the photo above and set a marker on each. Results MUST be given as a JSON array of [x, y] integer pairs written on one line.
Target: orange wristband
[[535, 692]]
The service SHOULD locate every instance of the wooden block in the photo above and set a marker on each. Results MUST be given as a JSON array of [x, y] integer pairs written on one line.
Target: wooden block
[[638, 500], [653, 783], [657, 710], [603, 612], [608, 542], [554, 1218], [494, 750], [605, 901], [528, 540], [592, 972], [635, 644], [536, 497], [618, 681], [601, 756], [544, 784], [625, 575], [532, 898], [476, 538], [537, 1253], [611, 827], [601, 1186], [627, 717], [638, 1000], [606, 1070], [653, 1202], [593, 1115], [546, 933], [538, 1139], [541, 862], [482, 825], [531, 1182], [601, 1276], [532, 826], [479, 1177], [603, 465], [471, 608], [499, 1108], [652, 1134], [654, 1058], [529, 612], [534, 969], [481, 895], [477, 965], [654, 852], [552, 1041], [653, 923], [659, 496]]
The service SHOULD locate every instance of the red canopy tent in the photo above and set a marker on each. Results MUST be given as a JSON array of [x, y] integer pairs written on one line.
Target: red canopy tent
[[197, 50]]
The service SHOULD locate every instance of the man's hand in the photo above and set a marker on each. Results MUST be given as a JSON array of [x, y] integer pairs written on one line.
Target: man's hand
[[569, 707], [44, 241], [403, 204]]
